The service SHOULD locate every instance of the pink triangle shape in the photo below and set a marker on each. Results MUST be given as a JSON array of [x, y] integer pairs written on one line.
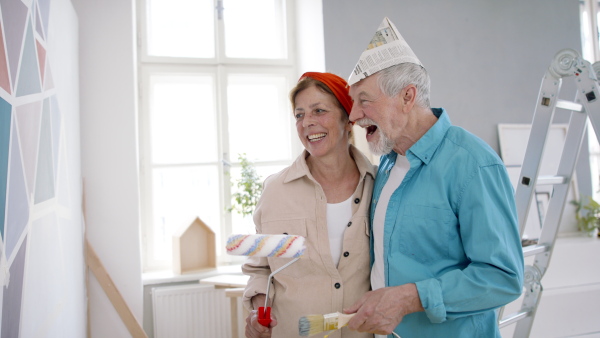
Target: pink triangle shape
[[41, 51], [4, 80]]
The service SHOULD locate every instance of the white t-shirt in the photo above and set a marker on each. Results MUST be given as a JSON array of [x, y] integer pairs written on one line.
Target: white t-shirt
[[397, 174], [338, 216]]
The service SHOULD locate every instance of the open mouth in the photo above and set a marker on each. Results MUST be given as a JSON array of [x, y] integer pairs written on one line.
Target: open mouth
[[316, 137], [369, 125], [371, 129]]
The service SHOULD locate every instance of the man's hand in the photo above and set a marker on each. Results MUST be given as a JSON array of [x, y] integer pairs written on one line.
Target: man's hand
[[253, 328], [380, 311]]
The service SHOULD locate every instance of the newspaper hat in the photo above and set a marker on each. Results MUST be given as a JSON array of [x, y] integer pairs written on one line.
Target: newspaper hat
[[386, 49]]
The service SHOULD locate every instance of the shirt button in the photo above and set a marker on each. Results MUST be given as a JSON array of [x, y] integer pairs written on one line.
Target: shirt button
[[349, 223], [337, 285], [346, 254], [357, 200]]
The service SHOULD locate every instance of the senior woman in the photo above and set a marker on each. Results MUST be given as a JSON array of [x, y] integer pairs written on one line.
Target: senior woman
[[323, 196]]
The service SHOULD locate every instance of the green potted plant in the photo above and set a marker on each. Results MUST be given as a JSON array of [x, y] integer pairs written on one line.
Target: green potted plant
[[249, 188], [587, 215]]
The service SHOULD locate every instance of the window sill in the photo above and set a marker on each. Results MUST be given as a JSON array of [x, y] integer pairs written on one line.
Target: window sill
[[167, 276]]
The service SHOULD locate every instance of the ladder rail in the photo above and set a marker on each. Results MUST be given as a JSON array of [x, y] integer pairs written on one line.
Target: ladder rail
[[542, 120], [574, 139], [566, 168]]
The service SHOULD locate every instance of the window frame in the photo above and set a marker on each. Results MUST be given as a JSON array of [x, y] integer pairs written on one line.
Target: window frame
[[220, 67], [220, 57]]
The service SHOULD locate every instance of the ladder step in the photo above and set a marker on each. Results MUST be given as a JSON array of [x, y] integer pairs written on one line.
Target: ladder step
[[535, 249], [513, 318], [569, 105], [551, 180]]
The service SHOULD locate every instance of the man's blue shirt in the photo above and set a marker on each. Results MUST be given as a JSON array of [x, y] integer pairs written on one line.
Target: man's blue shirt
[[451, 228]]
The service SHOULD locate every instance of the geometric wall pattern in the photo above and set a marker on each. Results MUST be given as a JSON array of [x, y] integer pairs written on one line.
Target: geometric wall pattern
[[35, 206]]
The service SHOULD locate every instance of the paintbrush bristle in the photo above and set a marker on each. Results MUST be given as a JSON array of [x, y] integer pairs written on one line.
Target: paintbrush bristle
[[310, 325], [313, 324]]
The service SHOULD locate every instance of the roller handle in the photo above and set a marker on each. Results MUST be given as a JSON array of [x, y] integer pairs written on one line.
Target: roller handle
[[264, 317]]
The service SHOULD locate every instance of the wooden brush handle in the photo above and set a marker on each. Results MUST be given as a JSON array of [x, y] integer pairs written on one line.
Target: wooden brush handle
[[344, 319]]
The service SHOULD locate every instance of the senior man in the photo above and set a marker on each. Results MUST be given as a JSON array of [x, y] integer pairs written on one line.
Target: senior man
[[445, 245]]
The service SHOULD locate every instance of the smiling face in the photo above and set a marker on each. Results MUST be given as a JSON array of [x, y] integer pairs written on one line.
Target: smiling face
[[321, 124], [374, 111]]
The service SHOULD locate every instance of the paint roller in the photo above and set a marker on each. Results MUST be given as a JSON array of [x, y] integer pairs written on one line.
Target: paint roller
[[283, 246]]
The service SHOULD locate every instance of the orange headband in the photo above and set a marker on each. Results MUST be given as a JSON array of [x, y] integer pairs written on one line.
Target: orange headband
[[338, 86]]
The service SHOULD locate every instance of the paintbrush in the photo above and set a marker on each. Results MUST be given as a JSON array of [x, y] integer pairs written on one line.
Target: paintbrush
[[313, 324]]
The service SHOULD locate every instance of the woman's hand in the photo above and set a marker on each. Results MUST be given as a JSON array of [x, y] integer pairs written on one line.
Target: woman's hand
[[253, 328]]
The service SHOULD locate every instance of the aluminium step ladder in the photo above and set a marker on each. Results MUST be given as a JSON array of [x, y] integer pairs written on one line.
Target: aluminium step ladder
[[566, 63]]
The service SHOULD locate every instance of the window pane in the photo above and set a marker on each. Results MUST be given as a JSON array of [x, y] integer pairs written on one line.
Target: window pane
[[245, 225], [180, 195], [183, 119], [181, 28], [259, 117], [255, 29]]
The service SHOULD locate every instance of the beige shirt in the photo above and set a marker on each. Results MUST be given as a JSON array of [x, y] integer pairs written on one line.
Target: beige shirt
[[294, 203]]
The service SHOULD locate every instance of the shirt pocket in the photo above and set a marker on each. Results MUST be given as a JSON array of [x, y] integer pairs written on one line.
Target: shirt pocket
[[301, 267], [424, 232]]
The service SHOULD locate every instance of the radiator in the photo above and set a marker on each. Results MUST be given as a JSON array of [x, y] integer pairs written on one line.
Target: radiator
[[191, 311]]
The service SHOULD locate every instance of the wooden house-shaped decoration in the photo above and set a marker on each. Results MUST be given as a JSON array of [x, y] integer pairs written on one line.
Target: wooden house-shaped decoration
[[194, 248]]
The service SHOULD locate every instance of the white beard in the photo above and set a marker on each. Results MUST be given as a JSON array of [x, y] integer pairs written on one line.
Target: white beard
[[383, 146]]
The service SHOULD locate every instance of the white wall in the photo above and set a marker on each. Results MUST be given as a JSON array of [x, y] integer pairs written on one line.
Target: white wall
[[109, 154]]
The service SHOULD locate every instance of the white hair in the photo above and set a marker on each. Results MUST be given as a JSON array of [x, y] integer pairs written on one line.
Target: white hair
[[395, 78]]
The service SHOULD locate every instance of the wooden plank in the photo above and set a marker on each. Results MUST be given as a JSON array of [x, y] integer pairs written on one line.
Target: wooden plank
[[93, 262], [226, 281], [233, 295]]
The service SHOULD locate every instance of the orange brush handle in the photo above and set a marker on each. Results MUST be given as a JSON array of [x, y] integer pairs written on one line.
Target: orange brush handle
[[264, 316]]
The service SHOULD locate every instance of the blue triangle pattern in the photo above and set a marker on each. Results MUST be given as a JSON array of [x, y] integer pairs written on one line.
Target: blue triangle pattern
[[44, 182], [29, 75], [17, 213], [44, 10], [38, 23]]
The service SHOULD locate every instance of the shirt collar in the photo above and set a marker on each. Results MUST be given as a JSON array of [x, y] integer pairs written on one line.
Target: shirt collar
[[299, 168], [426, 146]]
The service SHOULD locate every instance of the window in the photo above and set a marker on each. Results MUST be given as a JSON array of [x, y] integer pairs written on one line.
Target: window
[[214, 80]]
